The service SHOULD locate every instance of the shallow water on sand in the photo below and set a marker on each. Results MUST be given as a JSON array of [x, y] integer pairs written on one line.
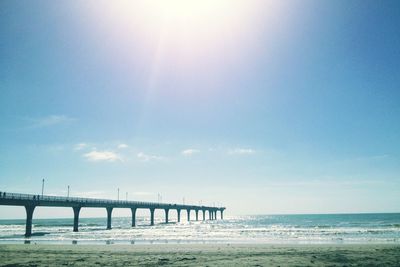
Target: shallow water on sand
[[273, 229]]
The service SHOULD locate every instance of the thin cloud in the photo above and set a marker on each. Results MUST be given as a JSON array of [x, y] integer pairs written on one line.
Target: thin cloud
[[80, 146], [50, 121], [190, 152], [102, 156], [241, 151], [122, 146], [146, 157]]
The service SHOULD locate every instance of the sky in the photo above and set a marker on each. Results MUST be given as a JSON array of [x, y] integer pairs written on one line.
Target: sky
[[265, 107]]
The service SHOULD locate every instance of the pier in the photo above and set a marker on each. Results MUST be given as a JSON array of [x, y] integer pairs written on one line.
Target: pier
[[30, 202]]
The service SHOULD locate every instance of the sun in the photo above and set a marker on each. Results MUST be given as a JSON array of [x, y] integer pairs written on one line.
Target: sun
[[185, 33], [180, 40]]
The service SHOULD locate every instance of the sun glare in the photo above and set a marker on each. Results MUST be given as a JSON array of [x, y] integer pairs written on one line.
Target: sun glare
[[182, 40], [187, 29], [189, 11]]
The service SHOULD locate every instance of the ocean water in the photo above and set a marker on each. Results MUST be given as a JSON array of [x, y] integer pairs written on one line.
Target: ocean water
[[272, 229]]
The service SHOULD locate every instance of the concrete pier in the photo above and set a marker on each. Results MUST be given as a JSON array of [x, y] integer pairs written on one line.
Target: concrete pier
[[109, 212], [29, 216], [133, 216], [166, 215], [152, 217], [76, 217], [30, 202], [188, 215]]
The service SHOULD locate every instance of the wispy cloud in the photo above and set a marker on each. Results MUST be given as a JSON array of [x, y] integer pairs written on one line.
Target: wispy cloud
[[122, 146], [241, 151], [146, 157], [102, 156], [190, 152], [80, 146], [49, 121]]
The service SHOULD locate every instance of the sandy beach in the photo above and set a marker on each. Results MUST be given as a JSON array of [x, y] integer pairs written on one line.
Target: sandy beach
[[200, 255]]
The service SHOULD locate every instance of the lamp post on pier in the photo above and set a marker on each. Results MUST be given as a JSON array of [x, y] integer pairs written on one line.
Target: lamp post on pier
[[42, 186]]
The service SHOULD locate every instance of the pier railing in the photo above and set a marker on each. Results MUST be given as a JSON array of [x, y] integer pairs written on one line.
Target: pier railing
[[82, 200], [32, 197]]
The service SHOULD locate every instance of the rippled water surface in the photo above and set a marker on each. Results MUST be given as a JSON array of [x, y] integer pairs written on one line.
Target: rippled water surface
[[278, 229]]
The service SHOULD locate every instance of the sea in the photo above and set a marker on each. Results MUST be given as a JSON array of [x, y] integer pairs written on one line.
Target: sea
[[266, 229]]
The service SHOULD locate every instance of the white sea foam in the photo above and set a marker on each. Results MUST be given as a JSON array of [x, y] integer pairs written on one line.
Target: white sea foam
[[281, 229]]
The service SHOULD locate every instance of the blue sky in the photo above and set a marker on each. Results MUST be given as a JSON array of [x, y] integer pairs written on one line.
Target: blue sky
[[264, 107]]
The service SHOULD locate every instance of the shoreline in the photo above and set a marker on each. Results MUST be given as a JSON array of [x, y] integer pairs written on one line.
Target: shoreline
[[201, 255], [189, 243]]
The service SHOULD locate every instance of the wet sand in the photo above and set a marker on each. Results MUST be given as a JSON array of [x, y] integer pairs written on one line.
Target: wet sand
[[199, 255]]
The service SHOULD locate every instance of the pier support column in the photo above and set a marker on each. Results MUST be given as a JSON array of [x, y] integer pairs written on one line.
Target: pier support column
[[29, 215], [109, 211], [197, 215], [222, 214], [166, 215], [179, 214], [152, 216], [76, 217], [215, 215], [209, 215], [204, 215], [133, 216], [188, 214]]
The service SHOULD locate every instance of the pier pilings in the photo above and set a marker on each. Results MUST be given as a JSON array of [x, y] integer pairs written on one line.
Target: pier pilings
[[152, 216], [76, 217], [31, 201], [188, 215], [166, 215], [109, 212], [133, 216], [29, 215]]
